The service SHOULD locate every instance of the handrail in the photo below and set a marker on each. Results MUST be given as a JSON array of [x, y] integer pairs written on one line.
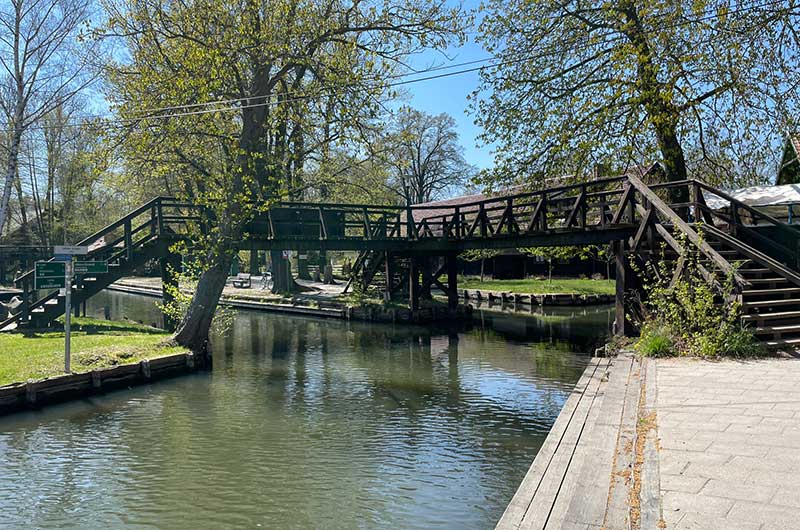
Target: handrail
[[684, 227], [108, 228], [751, 209]]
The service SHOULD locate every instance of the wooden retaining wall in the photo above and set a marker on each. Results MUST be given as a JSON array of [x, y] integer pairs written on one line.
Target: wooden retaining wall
[[565, 299], [35, 394], [330, 309]]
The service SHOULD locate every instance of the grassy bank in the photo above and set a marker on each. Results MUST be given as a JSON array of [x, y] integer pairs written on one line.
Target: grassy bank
[[95, 344], [536, 286]]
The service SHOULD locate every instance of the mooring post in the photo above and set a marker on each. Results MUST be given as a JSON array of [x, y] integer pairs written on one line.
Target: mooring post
[[452, 282], [413, 284], [622, 269], [170, 269]]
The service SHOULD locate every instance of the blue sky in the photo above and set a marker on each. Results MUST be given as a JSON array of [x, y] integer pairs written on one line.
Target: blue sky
[[449, 94]]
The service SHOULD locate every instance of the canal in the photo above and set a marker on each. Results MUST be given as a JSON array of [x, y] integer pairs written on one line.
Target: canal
[[305, 423]]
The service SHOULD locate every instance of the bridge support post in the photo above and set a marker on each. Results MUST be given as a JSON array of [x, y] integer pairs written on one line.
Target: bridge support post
[[622, 268], [452, 282], [388, 264], [413, 284], [170, 269], [425, 264], [255, 261]]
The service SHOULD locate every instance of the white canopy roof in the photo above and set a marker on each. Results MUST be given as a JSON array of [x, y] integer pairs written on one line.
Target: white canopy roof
[[758, 196]]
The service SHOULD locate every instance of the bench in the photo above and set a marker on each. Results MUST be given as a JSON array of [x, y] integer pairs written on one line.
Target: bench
[[242, 281]]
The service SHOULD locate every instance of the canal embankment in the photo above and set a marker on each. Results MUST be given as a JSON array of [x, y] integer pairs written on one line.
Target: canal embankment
[[584, 474], [105, 356], [319, 301]]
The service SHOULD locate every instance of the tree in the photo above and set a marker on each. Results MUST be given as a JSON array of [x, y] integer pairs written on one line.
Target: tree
[[424, 156], [479, 254], [551, 254], [43, 64], [579, 83], [283, 68]]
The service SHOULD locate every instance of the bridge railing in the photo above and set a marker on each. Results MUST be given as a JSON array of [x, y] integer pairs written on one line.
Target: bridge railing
[[582, 205]]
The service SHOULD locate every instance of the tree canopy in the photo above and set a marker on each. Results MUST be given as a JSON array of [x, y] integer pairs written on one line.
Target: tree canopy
[[285, 79], [705, 86]]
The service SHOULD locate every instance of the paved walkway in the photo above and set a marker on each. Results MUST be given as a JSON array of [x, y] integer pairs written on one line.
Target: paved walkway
[[729, 454]]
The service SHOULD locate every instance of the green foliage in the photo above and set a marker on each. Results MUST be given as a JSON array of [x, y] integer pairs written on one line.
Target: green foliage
[[478, 254], [551, 254], [586, 83], [696, 318], [182, 293], [656, 341]]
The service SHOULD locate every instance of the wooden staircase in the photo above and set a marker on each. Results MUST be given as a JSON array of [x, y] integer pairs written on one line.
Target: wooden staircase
[[126, 244], [731, 242]]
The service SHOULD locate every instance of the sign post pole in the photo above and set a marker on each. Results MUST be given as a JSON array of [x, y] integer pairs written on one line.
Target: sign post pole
[[67, 252], [67, 314]]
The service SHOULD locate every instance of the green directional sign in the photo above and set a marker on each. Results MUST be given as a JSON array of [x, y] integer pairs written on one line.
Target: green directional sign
[[90, 267], [49, 275]]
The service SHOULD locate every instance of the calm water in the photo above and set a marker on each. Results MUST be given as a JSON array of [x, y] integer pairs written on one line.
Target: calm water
[[304, 423]]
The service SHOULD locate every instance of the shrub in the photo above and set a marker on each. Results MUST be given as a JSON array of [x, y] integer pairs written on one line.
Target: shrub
[[656, 341], [690, 317]]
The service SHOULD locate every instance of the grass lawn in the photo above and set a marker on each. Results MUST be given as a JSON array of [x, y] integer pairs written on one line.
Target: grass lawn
[[95, 344], [533, 286]]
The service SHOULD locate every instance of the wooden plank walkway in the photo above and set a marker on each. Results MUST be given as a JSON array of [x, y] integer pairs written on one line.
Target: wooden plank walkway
[[582, 475]]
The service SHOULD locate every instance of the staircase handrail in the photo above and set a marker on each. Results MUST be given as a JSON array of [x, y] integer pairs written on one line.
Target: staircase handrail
[[739, 204], [666, 210], [103, 231]]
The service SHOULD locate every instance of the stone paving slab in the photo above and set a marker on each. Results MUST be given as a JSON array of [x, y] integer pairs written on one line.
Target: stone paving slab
[[729, 452]]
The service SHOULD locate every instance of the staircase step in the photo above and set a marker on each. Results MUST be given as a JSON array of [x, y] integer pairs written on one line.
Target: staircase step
[[755, 271], [771, 303], [777, 330], [767, 280], [778, 315], [777, 343], [765, 292]]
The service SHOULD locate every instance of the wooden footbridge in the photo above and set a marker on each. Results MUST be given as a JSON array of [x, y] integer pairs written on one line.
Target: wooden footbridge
[[410, 248]]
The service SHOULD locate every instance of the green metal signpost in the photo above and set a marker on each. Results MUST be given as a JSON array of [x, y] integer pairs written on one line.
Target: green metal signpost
[[90, 267], [50, 275], [58, 274]]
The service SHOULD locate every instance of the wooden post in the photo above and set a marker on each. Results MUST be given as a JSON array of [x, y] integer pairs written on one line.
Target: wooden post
[[427, 277], [452, 282], [128, 238], [413, 284], [254, 261], [622, 269], [388, 270]]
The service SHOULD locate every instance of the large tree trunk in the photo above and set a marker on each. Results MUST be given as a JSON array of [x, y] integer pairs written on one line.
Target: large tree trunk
[[11, 168], [674, 162], [194, 329], [282, 281]]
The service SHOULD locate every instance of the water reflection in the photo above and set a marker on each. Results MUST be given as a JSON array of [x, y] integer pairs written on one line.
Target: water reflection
[[304, 423]]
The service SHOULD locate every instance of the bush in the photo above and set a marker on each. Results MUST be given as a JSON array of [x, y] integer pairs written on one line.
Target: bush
[[690, 317], [656, 341]]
